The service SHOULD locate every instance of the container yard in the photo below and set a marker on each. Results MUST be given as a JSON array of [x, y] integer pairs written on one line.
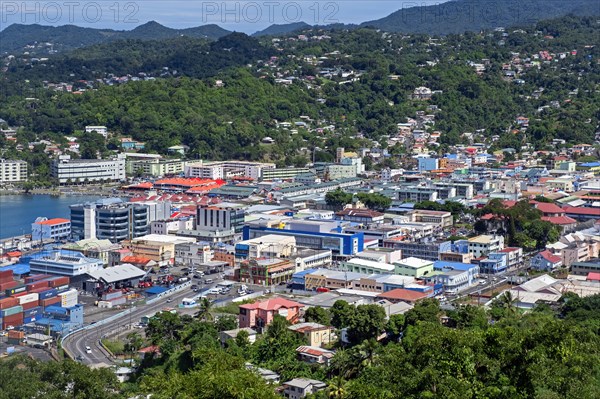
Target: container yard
[[39, 300]]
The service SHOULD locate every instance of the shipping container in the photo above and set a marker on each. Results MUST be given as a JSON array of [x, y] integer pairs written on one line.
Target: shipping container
[[62, 288], [11, 311], [7, 285], [50, 301], [32, 297], [32, 311], [36, 277], [31, 319], [36, 284], [8, 303], [49, 293], [15, 290], [30, 305], [118, 301], [14, 320], [107, 296], [6, 275], [58, 281], [16, 334]]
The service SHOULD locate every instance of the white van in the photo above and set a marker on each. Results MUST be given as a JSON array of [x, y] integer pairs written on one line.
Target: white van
[[213, 291], [208, 281]]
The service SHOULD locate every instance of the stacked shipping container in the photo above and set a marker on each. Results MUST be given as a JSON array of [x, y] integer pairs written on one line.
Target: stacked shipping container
[[25, 303]]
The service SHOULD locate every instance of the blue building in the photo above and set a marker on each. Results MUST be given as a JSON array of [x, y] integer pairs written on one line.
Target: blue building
[[495, 263], [299, 279], [61, 320], [455, 276], [427, 164], [44, 229], [340, 244]]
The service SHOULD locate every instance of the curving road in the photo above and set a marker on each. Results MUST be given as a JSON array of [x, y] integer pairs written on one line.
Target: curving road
[[76, 343]]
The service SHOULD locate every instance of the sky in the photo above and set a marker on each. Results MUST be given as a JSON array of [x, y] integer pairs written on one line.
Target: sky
[[241, 16]]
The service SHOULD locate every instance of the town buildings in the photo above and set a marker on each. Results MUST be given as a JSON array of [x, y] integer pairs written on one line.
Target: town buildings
[[12, 171], [70, 171]]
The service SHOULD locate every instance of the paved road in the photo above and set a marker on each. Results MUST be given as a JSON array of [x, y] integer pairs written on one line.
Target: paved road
[[76, 343]]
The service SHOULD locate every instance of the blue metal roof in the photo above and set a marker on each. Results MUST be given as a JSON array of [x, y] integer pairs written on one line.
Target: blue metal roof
[[156, 290], [18, 268]]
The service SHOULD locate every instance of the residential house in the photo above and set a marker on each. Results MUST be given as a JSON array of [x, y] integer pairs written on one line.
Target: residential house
[[260, 314], [546, 261], [314, 354], [316, 334], [365, 216], [301, 387]]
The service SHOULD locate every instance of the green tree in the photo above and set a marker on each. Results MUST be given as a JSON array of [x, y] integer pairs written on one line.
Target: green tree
[[317, 314], [338, 198]]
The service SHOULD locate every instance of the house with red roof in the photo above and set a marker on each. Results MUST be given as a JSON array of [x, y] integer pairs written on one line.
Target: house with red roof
[[546, 261], [260, 314], [44, 229], [582, 213], [566, 223]]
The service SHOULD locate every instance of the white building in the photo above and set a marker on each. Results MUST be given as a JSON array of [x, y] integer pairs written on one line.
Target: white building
[[171, 226], [67, 170], [484, 244], [102, 130], [12, 171], [193, 254], [227, 169]]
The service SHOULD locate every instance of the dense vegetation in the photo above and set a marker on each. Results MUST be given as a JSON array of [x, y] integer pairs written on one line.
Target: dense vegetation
[[186, 107], [498, 353], [180, 56], [16, 36], [464, 15]]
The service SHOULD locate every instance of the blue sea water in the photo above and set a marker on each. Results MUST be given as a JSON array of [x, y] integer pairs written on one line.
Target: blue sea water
[[17, 212]]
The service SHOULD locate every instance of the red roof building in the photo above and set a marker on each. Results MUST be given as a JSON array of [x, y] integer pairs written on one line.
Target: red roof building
[[260, 314]]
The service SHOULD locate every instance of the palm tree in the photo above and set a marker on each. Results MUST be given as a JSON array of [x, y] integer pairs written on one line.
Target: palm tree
[[507, 301], [365, 352], [204, 312], [337, 388]]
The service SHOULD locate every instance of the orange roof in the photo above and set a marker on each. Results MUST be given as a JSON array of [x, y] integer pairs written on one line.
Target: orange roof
[[183, 181], [135, 259], [52, 222]]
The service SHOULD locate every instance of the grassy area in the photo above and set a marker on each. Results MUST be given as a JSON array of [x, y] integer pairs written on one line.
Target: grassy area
[[116, 347]]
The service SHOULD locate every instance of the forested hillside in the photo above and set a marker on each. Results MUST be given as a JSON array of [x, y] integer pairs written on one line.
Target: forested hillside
[[475, 353], [559, 96]]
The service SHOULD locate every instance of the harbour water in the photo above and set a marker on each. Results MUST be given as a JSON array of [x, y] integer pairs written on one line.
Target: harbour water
[[17, 212]]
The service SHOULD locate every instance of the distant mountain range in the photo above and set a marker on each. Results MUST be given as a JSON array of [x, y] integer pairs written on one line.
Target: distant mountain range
[[67, 37], [456, 16]]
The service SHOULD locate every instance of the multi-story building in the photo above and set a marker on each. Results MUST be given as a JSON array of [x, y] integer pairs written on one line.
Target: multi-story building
[[64, 263], [368, 267], [464, 190], [413, 267], [260, 314], [484, 244], [109, 219], [13, 171], [266, 271], [422, 250], [193, 254], [439, 218], [214, 218], [282, 173], [227, 169], [101, 130], [44, 229], [159, 248], [67, 170], [155, 167], [270, 245], [310, 236]]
